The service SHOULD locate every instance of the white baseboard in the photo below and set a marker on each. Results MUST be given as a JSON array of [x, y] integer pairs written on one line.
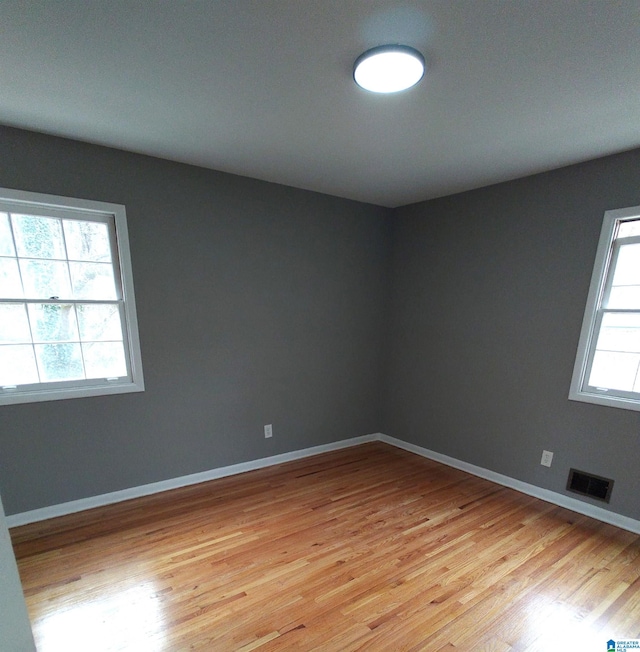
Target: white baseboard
[[553, 497], [80, 505]]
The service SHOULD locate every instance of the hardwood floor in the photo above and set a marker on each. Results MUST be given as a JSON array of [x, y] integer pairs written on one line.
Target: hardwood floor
[[368, 548]]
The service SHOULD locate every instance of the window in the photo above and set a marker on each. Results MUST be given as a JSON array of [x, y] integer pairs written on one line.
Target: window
[[68, 323], [607, 369]]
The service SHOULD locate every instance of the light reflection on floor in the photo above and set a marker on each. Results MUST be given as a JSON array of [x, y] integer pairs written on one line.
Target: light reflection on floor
[[128, 620], [556, 626]]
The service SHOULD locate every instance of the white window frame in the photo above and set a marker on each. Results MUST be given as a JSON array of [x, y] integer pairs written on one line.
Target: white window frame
[[115, 216], [601, 280]]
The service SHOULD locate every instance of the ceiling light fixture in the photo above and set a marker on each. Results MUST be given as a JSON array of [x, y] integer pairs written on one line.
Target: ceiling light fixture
[[388, 68]]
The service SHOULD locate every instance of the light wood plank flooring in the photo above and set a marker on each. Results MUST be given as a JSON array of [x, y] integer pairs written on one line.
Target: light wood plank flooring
[[368, 548]]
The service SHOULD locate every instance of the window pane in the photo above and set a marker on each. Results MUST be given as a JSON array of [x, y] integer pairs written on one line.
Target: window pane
[[87, 241], [628, 265], [53, 322], [38, 237], [6, 239], [59, 362], [45, 279], [10, 283], [99, 322], [93, 281], [619, 332], [104, 359], [614, 370], [625, 289], [629, 228], [626, 297], [17, 365], [14, 325]]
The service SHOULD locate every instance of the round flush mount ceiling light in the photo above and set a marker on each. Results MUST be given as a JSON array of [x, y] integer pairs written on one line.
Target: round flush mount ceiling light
[[388, 68]]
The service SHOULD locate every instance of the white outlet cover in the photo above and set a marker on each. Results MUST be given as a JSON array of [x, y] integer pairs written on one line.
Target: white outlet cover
[[547, 458], [268, 431]]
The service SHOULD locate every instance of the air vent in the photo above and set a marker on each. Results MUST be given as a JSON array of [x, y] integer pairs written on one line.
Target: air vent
[[589, 485]]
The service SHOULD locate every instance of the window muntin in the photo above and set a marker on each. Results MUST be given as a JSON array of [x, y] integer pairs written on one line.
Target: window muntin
[[68, 325], [607, 369]]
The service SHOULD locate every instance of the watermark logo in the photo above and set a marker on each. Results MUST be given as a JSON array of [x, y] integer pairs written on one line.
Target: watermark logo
[[626, 645]]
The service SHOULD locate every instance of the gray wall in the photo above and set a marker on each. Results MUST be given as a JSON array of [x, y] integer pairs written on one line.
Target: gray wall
[[257, 304], [452, 324], [487, 298]]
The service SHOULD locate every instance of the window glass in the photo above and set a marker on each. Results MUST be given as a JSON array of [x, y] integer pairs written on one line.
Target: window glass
[[38, 237], [53, 322], [87, 241], [10, 282], [45, 279], [99, 322], [93, 281], [625, 287], [18, 365], [104, 359], [14, 323]]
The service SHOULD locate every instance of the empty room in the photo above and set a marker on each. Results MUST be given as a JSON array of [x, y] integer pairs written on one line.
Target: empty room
[[319, 325]]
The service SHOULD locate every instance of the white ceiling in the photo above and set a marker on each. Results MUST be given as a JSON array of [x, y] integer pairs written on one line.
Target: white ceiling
[[264, 88]]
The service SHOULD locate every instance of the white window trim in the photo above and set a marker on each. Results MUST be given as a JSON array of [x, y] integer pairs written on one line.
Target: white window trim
[[99, 387], [578, 390]]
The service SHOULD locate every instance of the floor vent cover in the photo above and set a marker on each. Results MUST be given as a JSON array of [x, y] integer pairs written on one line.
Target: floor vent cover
[[589, 485]]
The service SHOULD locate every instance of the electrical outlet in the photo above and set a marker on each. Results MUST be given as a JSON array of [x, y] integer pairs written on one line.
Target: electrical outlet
[[547, 457], [268, 431]]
